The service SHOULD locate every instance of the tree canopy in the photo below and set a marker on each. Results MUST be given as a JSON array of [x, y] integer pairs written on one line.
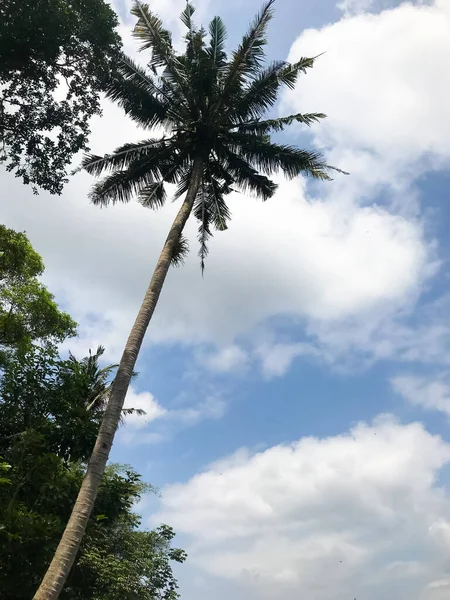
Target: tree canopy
[[27, 309], [50, 410], [54, 56]]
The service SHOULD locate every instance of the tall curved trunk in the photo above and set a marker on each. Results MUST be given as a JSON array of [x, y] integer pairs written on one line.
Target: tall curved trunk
[[69, 544]]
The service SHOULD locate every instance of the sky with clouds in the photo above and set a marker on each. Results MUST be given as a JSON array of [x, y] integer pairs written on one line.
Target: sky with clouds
[[297, 397]]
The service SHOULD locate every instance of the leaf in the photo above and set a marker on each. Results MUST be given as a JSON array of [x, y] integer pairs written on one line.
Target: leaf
[[150, 31], [180, 252], [186, 16], [153, 195], [269, 125], [133, 411], [216, 49], [248, 57]]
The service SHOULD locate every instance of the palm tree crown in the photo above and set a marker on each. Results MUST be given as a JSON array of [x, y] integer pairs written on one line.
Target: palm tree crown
[[211, 107], [97, 380]]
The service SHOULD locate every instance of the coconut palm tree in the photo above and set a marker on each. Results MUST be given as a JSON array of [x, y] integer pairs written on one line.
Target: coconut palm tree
[[98, 384], [88, 387], [210, 112]]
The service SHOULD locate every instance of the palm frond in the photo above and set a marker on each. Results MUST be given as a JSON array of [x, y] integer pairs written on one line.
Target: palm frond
[[245, 177], [261, 94], [202, 213], [289, 75], [150, 31], [269, 157], [186, 17], [120, 186], [210, 207], [183, 182], [180, 252], [152, 35], [220, 213], [163, 163], [256, 98], [153, 195], [246, 61], [134, 411], [123, 156], [217, 170], [269, 125], [98, 382], [216, 48], [250, 53], [200, 74], [169, 96], [142, 107]]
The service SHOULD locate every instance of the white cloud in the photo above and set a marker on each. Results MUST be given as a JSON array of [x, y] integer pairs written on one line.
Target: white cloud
[[211, 408], [142, 401], [158, 424], [438, 590], [384, 336], [225, 360], [357, 7], [384, 84], [276, 358], [321, 262], [355, 515], [429, 392], [352, 7]]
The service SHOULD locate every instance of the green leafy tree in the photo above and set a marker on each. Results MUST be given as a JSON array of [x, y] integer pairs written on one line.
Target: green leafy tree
[[213, 109], [48, 46], [27, 309], [48, 425], [128, 565]]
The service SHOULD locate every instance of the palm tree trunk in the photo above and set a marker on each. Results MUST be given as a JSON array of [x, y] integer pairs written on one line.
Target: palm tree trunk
[[69, 544]]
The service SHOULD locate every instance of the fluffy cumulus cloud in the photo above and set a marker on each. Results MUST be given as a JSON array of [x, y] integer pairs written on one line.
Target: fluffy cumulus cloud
[[384, 84], [145, 408], [337, 266], [292, 256], [431, 392], [355, 515]]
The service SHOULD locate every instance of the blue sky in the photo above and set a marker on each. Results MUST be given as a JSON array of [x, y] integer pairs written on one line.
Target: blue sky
[[297, 397]]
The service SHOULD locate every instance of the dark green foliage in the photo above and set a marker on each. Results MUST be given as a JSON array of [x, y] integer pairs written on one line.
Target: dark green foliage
[[129, 565], [210, 106], [27, 309], [180, 252], [54, 397], [50, 410], [49, 45]]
